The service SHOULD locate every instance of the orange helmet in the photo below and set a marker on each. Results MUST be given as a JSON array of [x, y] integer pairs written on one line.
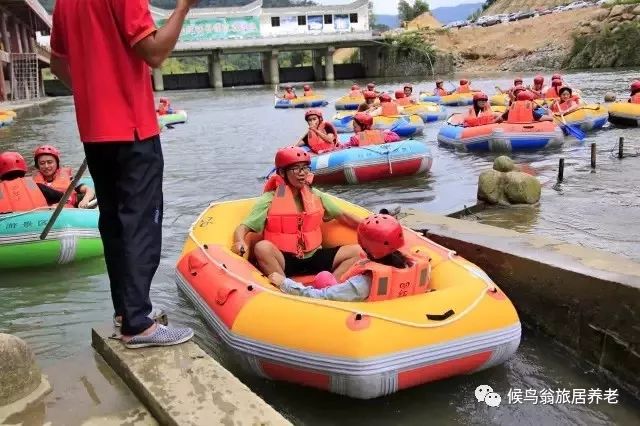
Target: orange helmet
[[368, 94], [525, 95], [635, 86], [538, 79], [306, 87], [285, 157], [380, 235], [385, 98], [364, 120], [399, 94], [464, 81], [556, 82], [480, 96], [315, 112], [11, 162], [46, 150]]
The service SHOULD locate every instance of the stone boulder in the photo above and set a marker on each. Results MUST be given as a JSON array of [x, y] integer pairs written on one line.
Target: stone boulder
[[628, 16], [505, 185], [636, 10], [19, 373], [601, 15], [618, 10]]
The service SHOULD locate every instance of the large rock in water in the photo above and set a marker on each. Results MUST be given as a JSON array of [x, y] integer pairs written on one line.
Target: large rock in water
[[19, 373], [505, 186]]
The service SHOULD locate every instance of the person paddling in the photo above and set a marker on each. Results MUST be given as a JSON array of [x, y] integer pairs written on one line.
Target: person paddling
[[322, 136]]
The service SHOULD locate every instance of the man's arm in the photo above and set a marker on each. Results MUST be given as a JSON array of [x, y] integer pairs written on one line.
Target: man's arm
[[347, 219], [60, 68], [157, 46]]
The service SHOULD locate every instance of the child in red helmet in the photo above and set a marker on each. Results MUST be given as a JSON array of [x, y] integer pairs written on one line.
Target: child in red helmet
[[321, 136], [382, 240], [365, 135], [635, 92], [306, 90]]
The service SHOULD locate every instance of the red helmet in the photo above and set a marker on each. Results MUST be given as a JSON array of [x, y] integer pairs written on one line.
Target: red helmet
[[538, 79], [11, 162], [479, 96], [355, 87], [525, 95], [306, 87], [371, 86], [635, 86], [556, 82], [48, 150], [380, 235], [364, 120], [385, 98], [556, 77], [518, 88], [164, 100], [315, 112], [291, 155], [464, 81], [517, 80], [369, 94], [399, 94]]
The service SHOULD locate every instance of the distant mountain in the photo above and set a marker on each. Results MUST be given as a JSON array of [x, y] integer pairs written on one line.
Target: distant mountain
[[390, 21], [455, 13]]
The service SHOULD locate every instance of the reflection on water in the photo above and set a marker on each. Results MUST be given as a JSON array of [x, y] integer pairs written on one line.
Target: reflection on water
[[230, 141]]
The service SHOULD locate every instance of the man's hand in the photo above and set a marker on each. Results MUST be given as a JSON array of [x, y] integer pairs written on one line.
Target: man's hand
[[276, 279], [186, 4], [83, 204], [239, 248]]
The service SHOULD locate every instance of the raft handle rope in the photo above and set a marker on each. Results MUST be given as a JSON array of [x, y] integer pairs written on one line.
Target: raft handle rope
[[488, 285]]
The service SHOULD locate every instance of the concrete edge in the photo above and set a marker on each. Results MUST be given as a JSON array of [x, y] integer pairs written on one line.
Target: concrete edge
[[22, 404], [182, 385], [18, 106], [587, 300]]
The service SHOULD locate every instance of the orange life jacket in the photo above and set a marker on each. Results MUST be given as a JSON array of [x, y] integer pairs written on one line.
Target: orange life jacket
[[562, 106], [440, 92], [60, 182], [163, 109], [289, 95], [389, 109], [485, 117], [552, 93], [288, 229], [635, 99], [371, 137], [20, 195], [308, 93], [388, 282], [319, 145], [465, 88], [404, 101], [521, 112]]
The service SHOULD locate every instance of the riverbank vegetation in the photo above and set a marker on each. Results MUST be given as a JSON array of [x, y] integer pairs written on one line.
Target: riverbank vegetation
[[611, 47]]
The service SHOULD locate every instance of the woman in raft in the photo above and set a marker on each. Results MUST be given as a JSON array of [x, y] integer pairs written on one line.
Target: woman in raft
[[321, 136]]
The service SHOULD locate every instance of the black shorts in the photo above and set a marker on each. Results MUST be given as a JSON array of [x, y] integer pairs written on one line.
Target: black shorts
[[322, 260]]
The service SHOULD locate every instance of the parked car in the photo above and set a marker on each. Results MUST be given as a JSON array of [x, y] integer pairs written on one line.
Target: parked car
[[524, 15]]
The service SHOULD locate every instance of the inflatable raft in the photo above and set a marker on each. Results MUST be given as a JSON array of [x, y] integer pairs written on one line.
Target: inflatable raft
[[461, 324], [314, 101], [405, 126], [588, 117], [427, 111], [178, 117], [74, 237], [455, 99], [372, 163], [503, 137], [624, 113], [349, 102], [6, 117], [501, 99]]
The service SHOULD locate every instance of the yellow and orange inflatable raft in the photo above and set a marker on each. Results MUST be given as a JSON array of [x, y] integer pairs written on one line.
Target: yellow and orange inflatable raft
[[459, 322]]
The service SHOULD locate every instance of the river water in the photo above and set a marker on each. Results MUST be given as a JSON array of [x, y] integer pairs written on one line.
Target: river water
[[230, 141]]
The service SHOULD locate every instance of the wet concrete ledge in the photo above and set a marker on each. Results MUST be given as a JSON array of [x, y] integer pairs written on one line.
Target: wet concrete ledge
[[182, 385], [586, 299]]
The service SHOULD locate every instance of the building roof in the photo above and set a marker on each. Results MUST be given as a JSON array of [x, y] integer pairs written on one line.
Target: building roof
[[252, 8], [319, 9], [29, 11]]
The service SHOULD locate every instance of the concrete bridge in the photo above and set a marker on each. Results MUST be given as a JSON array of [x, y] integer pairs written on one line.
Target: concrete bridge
[[250, 29]]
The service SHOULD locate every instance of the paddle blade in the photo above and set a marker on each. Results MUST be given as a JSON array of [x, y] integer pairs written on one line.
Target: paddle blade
[[575, 131], [346, 119]]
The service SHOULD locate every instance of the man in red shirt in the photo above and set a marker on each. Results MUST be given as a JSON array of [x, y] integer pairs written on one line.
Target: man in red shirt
[[102, 50]]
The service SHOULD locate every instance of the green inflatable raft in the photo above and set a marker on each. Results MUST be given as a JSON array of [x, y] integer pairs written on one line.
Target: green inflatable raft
[[178, 117], [74, 237]]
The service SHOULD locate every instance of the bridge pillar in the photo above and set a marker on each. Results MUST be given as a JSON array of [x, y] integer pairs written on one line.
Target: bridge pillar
[[5, 33], [26, 46], [316, 56], [265, 57], [15, 38], [274, 68], [215, 70], [371, 61], [158, 80], [328, 64]]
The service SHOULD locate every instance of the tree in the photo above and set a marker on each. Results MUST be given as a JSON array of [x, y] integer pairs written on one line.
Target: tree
[[406, 12]]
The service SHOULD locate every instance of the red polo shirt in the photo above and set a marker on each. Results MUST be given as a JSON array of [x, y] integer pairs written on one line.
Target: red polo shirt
[[111, 84]]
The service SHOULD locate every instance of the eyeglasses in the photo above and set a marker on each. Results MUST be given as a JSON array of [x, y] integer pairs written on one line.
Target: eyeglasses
[[299, 169]]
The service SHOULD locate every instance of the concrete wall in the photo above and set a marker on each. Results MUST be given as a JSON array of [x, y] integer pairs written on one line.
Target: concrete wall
[[198, 80], [242, 78], [295, 74], [588, 300], [349, 71]]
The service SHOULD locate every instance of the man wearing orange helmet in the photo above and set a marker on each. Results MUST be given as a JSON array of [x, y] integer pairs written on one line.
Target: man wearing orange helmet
[[387, 107], [355, 92], [289, 93], [321, 136], [538, 88], [524, 110], [389, 271], [289, 215], [49, 173], [306, 90], [365, 135], [370, 101], [635, 92], [553, 92], [164, 107]]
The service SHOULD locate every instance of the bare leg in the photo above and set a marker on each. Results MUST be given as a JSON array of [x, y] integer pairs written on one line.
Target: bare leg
[[269, 258], [345, 258]]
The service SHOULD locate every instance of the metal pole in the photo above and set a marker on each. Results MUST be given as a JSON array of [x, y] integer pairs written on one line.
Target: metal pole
[[593, 155], [561, 170], [621, 148]]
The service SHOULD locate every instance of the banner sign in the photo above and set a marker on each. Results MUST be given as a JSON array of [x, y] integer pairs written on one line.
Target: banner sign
[[204, 29], [341, 22]]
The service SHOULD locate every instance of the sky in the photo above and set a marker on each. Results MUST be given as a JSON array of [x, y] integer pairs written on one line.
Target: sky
[[390, 7]]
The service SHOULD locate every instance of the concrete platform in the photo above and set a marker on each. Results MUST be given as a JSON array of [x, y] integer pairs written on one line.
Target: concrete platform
[[588, 300], [182, 385]]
